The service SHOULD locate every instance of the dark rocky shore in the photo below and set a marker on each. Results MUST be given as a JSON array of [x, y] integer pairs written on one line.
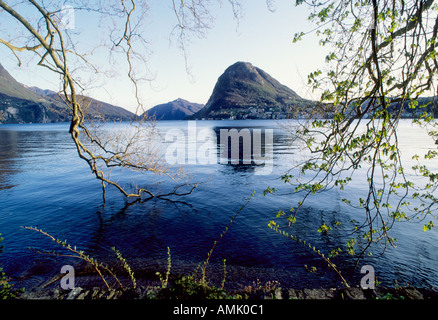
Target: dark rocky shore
[[150, 292], [89, 286]]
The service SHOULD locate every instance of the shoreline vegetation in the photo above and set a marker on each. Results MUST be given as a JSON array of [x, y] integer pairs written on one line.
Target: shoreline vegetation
[[187, 288], [99, 281]]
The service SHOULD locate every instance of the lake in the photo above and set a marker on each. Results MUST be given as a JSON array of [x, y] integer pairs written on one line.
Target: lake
[[44, 183]]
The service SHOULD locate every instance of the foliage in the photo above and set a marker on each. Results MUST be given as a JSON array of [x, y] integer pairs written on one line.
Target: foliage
[[80, 254], [192, 286], [126, 266], [165, 281], [258, 287], [6, 289], [189, 287], [183, 287], [276, 227], [390, 296], [383, 59], [324, 228]]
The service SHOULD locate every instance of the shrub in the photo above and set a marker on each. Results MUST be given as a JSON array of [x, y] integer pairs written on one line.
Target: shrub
[[6, 290]]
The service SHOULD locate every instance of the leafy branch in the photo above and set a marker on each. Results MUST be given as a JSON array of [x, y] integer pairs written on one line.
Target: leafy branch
[[74, 252], [275, 227], [222, 235]]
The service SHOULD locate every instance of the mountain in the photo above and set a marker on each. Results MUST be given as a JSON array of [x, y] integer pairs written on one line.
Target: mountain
[[98, 109], [12, 88], [41, 92], [178, 109], [244, 91], [22, 104]]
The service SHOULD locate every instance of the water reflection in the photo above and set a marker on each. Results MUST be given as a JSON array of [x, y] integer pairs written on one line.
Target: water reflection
[[8, 156], [18, 143], [250, 149], [63, 198], [248, 146]]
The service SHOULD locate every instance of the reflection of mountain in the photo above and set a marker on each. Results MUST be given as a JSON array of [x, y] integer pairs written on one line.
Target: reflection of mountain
[[8, 167], [249, 148]]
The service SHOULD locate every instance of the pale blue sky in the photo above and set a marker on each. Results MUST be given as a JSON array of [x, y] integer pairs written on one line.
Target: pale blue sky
[[261, 37]]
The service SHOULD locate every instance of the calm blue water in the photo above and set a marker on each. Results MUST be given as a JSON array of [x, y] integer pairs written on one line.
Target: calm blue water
[[43, 183]]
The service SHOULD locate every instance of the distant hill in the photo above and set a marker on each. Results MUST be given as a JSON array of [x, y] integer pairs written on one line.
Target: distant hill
[[98, 109], [178, 109], [22, 104], [12, 88], [41, 92], [244, 91]]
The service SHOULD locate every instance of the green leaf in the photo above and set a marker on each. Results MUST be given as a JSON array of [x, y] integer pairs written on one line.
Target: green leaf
[[269, 190], [324, 228], [291, 219], [428, 226], [280, 213]]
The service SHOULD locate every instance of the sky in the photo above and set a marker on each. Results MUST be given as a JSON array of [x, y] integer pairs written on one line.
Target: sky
[[260, 36]]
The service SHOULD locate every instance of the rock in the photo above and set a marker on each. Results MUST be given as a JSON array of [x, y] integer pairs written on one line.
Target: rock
[[295, 294], [34, 294], [319, 294], [55, 294], [267, 296], [149, 291], [132, 294], [353, 294], [82, 295], [74, 293], [292, 294], [370, 294], [312, 294], [278, 294], [94, 293], [412, 293], [111, 294]]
